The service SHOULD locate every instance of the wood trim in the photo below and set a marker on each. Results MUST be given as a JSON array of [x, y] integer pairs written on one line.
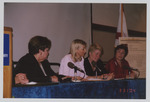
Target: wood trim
[[7, 70], [9, 29], [111, 29]]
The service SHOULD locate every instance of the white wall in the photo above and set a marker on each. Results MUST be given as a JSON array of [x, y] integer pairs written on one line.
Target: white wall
[[61, 23]]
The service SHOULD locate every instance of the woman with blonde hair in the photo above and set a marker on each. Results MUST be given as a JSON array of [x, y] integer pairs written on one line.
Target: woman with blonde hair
[[94, 53], [75, 57], [93, 65]]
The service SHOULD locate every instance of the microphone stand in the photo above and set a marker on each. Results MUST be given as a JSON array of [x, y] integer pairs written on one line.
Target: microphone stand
[[136, 71], [96, 73], [129, 73], [97, 70], [75, 74]]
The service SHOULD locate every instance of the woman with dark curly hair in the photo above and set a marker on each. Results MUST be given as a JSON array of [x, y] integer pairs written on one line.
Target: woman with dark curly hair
[[118, 65]]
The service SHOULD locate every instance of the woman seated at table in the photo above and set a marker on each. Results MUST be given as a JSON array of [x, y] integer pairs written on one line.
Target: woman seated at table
[[74, 58], [118, 65], [34, 66], [93, 65]]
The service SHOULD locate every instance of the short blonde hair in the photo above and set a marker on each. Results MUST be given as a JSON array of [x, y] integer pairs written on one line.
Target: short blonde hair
[[95, 46], [75, 45]]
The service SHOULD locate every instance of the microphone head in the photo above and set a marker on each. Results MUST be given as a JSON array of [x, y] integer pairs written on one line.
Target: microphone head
[[71, 65], [125, 67], [93, 63]]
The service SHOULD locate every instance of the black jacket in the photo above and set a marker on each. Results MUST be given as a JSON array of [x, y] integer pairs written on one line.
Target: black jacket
[[29, 65], [88, 68]]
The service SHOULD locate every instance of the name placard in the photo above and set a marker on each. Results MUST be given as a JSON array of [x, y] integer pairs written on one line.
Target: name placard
[[6, 50]]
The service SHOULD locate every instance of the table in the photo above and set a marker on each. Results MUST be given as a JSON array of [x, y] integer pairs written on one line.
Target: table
[[113, 89]]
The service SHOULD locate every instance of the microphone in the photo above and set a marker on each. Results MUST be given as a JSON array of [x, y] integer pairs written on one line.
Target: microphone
[[129, 68], [95, 65], [71, 65]]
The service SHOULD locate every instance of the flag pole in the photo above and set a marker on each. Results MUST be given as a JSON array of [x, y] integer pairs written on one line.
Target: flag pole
[[121, 19]]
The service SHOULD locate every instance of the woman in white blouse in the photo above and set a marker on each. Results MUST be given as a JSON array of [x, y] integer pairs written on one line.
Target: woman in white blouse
[[77, 52]]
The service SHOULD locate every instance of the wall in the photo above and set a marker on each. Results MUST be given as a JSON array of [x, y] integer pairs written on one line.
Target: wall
[[61, 23], [108, 14], [64, 22]]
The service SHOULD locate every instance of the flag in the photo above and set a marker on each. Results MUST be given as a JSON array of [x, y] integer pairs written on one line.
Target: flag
[[122, 27]]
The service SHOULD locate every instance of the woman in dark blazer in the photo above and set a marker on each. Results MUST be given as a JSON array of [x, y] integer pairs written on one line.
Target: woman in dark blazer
[[34, 66], [93, 65]]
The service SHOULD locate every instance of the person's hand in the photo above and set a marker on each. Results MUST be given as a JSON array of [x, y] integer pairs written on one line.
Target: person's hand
[[21, 78], [110, 76], [63, 78], [77, 78], [54, 79], [95, 77]]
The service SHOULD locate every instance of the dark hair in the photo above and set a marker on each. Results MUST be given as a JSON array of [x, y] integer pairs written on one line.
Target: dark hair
[[122, 46], [38, 42]]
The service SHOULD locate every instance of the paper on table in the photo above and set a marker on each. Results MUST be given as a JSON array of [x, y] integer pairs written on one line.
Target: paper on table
[[94, 79], [119, 78], [76, 80], [31, 83]]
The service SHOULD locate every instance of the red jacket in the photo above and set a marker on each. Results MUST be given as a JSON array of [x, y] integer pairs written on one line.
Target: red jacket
[[119, 71]]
